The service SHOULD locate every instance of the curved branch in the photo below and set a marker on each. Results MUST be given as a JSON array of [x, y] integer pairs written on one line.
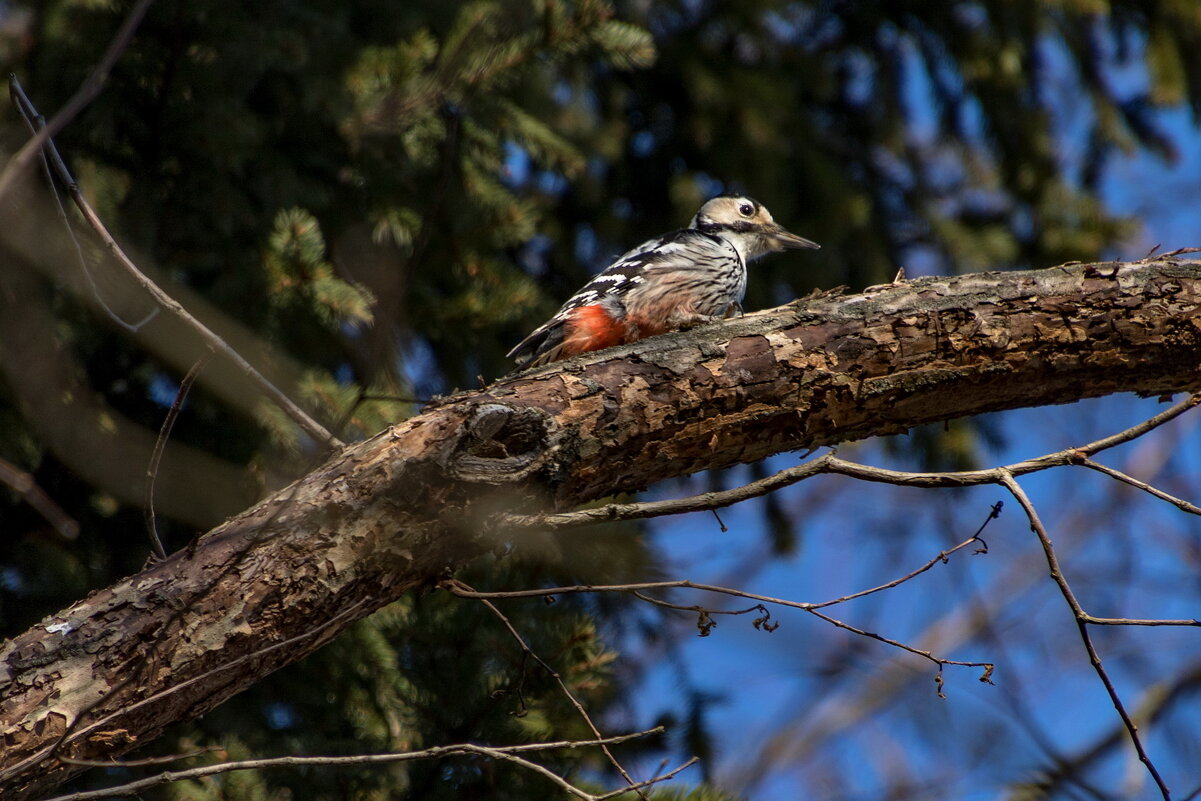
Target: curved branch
[[1082, 621], [508, 753], [831, 464], [706, 623], [85, 94], [575, 702], [164, 300], [391, 515]]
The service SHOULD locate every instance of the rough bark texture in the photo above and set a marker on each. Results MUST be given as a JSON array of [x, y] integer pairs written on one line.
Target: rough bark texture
[[394, 513]]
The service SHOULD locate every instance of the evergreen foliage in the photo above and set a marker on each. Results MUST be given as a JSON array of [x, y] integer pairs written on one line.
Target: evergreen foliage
[[390, 194]]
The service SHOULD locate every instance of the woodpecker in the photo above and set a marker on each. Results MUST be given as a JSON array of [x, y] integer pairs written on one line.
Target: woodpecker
[[679, 280]]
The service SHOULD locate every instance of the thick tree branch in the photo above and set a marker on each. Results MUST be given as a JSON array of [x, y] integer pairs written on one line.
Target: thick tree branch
[[832, 465], [395, 513]]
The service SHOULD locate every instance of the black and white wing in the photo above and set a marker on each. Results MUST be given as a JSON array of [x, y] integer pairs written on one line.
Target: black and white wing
[[679, 251]]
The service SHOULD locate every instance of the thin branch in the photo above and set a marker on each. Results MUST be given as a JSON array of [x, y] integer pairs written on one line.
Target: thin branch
[[1136, 431], [36, 123], [1177, 252], [694, 503], [160, 445], [704, 620], [463, 591], [986, 676], [831, 464], [85, 94], [372, 396], [1137, 621], [705, 623], [214, 342], [508, 753], [1118, 475], [554, 674], [1082, 621], [140, 763], [23, 484], [662, 777], [941, 558]]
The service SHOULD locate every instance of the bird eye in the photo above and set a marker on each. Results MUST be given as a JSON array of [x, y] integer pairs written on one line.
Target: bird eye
[[746, 209]]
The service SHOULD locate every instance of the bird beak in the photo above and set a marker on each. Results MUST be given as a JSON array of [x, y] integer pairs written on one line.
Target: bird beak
[[783, 240]]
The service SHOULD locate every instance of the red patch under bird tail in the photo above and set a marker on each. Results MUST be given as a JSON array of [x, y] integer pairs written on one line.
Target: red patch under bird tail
[[589, 328]]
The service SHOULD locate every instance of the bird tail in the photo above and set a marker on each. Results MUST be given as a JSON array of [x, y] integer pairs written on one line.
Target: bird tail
[[536, 349], [582, 329]]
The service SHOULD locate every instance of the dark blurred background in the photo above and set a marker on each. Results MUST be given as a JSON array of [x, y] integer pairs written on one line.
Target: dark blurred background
[[375, 200]]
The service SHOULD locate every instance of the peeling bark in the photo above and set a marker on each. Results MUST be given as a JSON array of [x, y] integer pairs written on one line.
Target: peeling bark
[[395, 513]]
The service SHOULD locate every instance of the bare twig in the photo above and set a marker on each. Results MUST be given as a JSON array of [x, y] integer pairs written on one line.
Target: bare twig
[[1005, 476], [988, 667], [463, 591], [830, 464], [373, 396], [160, 445], [705, 622], [662, 777], [23, 484], [509, 753], [1118, 475], [140, 763], [1082, 621], [695, 503], [36, 123], [211, 339], [85, 94], [1178, 252], [941, 558], [554, 674], [1137, 621]]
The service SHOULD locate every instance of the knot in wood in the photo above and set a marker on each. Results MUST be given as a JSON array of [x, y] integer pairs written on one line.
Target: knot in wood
[[502, 443]]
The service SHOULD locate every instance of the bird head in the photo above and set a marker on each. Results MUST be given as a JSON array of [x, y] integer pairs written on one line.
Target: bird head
[[747, 225]]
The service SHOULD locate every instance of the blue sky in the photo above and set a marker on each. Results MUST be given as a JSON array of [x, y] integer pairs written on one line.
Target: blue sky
[[1125, 553], [1162, 195], [767, 681]]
